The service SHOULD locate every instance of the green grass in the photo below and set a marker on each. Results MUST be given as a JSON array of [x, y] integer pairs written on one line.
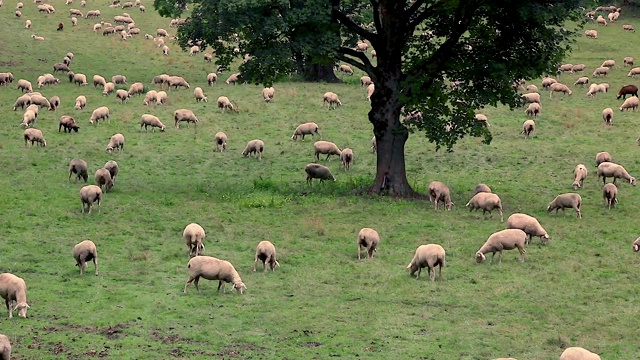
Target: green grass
[[579, 290]]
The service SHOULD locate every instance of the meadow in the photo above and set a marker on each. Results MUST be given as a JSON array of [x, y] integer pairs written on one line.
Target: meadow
[[579, 290]]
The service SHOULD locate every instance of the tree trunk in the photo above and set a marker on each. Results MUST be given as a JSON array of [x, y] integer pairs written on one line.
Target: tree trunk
[[314, 72]]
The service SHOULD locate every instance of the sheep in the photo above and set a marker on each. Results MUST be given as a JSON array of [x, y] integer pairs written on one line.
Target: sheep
[[601, 21], [99, 80], [116, 142], [177, 81], [233, 79], [75, 12], [633, 72], [579, 174], [481, 118], [601, 157], [80, 79], [19, 6], [14, 289], [78, 167], [6, 78], [37, 38], [211, 268], [533, 110], [108, 88], [627, 90], [600, 71], [34, 135], [90, 194], [74, 22], [40, 101], [224, 103], [531, 97], [153, 121], [113, 169], [486, 202], [528, 127], [558, 87], [119, 79], [529, 225], [331, 99], [21, 102], [628, 28], [568, 200], [578, 68], [370, 90], [85, 251], [481, 188], [582, 81], [531, 88], [212, 78], [25, 86], [309, 128], [374, 145], [162, 33], [439, 192], [595, 88], [136, 88], [123, 95], [630, 103], [608, 63], [27, 24], [162, 98], [92, 14], [565, 68], [221, 141], [81, 102], [5, 345], [35, 108], [18, 13], [346, 158], [142, 8], [317, 171], [199, 95], [609, 193], [325, 147], [194, 50], [28, 118], [429, 256], [54, 103], [268, 93], [546, 82], [193, 236], [365, 81], [578, 353], [68, 123], [507, 239], [100, 113], [160, 79], [346, 69], [184, 115], [150, 97], [368, 239], [265, 252], [254, 147], [103, 178], [627, 61], [608, 169], [208, 57]]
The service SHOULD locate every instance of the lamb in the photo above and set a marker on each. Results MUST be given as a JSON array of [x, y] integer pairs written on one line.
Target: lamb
[[123, 95], [332, 100], [103, 178], [90, 194], [325, 147], [116, 142], [119, 79], [609, 193], [233, 79], [185, 115], [578, 353], [482, 188], [582, 81], [212, 78], [254, 147], [630, 103], [34, 135], [609, 169], [309, 128], [54, 103], [528, 127], [78, 167], [265, 252], [100, 113], [578, 68], [429, 256], [531, 88], [68, 123], [5, 345], [600, 71], [113, 169], [533, 110], [486, 202], [22, 101], [317, 171], [529, 225], [81, 102], [136, 88], [161, 98], [28, 118], [365, 81], [602, 156], [199, 94], [108, 88], [627, 90], [193, 236], [532, 97], [369, 239], [507, 239], [151, 120], [211, 268], [150, 97], [568, 200], [439, 192], [221, 141], [268, 93], [346, 157], [85, 251], [627, 61], [13, 289], [25, 86]]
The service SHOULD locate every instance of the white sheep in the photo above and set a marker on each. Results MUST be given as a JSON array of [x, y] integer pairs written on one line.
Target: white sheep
[[113, 169], [136, 88], [604, 71], [5, 344], [81, 102], [508, 239], [162, 98], [13, 289], [579, 174], [533, 110], [27, 24], [28, 118], [193, 236], [256, 147], [578, 68], [630, 103], [608, 63], [439, 192], [224, 103], [374, 145], [199, 95], [268, 93], [578, 353], [368, 239], [607, 116], [233, 78], [212, 78], [568, 200], [116, 142], [331, 99], [100, 113], [615, 171], [150, 97], [528, 127], [103, 178], [582, 81], [370, 90], [628, 60], [184, 115], [486, 202], [529, 224], [123, 95], [633, 72], [220, 139], [346, 158], [602, 156], [610, 194], [90, 194], [481, 188], [429, 256], [309, 128], [108, 88], [266, 252], [83, 252], [532, 97], [629, 28], [558, 87], [151, 120], [211, 268], [547, 81], [317, 171], [325, 147], [365, 81], [34, 135]]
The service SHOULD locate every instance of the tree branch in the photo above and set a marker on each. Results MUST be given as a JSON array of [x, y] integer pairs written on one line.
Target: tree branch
[[346, 22], [421, 16], [375, 5], [347, 55]]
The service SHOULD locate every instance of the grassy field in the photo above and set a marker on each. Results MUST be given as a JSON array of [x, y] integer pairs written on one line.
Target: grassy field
[[577, 291]]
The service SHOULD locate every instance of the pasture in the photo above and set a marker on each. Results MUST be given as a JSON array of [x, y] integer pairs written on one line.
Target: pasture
[[579, 290]]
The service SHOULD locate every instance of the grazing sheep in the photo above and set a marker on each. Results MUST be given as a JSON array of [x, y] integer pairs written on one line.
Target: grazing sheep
[[81, 102], [233, 79], [34, 135], [25, 86], [103, 178], [78, 167], [211, 268], [369, 239], [309, 128], [268, 94], [90, 194], [37, 38], [346, 157], [608, 63], [601, 21], [85, 251], [374, 145], [481, 188], [609, 169], [40, 101], [558, 87], [221, 141], [533, 110], [254, 147], [28, 118], [136, 88], [578, 68], [123, 95], [151, 120], [177, 81], [579, 174], [119, 79], [99, 80], [108, 88], [18, 13], [596, 88], [546, 82], [532, 97], [68, 123], [370, 90], [317, 171], [565, 68], [113, 169], [439, 192], [80, 79], [165, 50], [332, 100], [607, 116], [266, 252], [604, 71], [212, 78], [529, 225], [5, 345], [582, 81], [630, 103], [507, 239], [629, 28], [116, 142], [100, 113], [224, 103], [627, 61], [162, 98], [486, 202], [208, 57], [194, 50], [429, 256], [602, 156], [54, 103], [346, 69], [193, 236], [481, 118], [531, 88], [365, 81], [568, 200], [199, 94], [578, 353], [528, 127], [184, 115], [150, 97], [13, 289], [627, 90], [22, 101], [610, 193], [325, 147]]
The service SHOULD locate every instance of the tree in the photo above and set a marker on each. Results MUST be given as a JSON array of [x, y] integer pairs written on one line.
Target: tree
[[483, 46]]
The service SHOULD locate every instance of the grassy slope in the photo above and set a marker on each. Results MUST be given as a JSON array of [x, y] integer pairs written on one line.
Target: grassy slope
[[577, 291]]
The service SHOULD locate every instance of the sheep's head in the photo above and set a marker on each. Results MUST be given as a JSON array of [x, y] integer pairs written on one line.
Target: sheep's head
[[632, 181], [448, 205], [22, 309], [43, 143], [636, 245], [576, 185], [480, 257], [544, 238], [240, 286]]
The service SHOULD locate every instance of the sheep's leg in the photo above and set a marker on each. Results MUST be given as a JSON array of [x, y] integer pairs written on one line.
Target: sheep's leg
[[187, 284], [522, 253], [440, 272], [255, 261], [432, 273], [359, 249], [95, 264], [219, 285], [500, 257], [501, 216], [6, 301]]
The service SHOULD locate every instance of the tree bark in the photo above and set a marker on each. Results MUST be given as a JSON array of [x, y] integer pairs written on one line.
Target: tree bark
[[319, 72]]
